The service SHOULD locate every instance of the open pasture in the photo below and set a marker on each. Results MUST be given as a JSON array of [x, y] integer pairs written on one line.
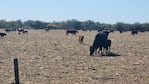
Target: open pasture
[[55, 58]]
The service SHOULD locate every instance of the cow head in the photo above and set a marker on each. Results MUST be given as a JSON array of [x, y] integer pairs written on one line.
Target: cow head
[[91, 50]]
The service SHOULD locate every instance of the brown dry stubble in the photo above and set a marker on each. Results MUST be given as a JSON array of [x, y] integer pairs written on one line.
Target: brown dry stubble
[[54, 58]]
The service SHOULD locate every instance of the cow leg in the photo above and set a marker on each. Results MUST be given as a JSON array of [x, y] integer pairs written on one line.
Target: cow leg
[[79, 40], [96, 51], [106, 51], [101, 51], [109, 49]]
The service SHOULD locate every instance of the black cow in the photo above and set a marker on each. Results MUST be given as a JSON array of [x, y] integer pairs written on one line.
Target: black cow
[[25, 32], [8, 30], [100, 41], [2, 34], [47, 29], [107, 46], [20, 30], [73, 32], [134, 32], [120, 31]]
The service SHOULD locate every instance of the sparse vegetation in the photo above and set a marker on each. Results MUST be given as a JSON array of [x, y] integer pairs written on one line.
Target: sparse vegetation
[[55, 58]]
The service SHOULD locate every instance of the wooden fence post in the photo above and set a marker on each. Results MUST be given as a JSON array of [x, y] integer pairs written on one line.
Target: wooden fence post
[[16, 71]]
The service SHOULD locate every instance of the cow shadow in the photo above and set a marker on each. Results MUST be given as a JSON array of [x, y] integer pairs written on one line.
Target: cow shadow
[[110, 54]]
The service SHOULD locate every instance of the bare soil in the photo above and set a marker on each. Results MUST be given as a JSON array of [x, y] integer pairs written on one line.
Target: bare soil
[[55, 58]]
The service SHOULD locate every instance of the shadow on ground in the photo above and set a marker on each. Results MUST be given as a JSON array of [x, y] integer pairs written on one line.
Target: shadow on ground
[[110, 54]]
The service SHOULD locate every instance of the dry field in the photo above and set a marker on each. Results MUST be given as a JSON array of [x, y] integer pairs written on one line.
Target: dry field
[[54, 58]]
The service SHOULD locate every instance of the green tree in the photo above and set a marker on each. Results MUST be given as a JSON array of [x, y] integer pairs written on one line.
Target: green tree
[[119, 26], [3, 24], [19, 24]]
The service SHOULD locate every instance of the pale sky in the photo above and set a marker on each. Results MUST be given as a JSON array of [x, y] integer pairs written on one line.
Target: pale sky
[[105, 11]]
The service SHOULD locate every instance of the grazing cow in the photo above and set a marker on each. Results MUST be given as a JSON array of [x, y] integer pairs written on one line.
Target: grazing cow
[[8, 30], [142, 30], [20, 30], [107, 46], [100, 41], [73, 32], [81, 38], [47, 29], [84, 29], [25, 32], [134, 32], [120, 31], [2, 34]]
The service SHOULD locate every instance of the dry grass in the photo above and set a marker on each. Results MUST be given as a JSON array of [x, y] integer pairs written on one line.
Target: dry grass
[[54, 58]]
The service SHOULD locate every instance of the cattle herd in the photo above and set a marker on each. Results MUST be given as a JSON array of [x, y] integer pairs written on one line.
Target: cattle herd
[[101, 44]]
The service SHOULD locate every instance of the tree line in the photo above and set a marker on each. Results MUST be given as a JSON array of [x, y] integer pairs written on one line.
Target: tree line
[[74, 24]]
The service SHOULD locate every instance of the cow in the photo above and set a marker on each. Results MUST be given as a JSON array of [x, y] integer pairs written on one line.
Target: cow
[[134, 32], [73, 32], [81, 38], [100, 41], [84, 29], [47, 29], [2, 34], [20, 30], [107, 46], [8, 30], [25, 32], [120, 31]]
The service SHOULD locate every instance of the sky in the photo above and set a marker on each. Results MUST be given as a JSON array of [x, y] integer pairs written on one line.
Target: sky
[[104, 11]]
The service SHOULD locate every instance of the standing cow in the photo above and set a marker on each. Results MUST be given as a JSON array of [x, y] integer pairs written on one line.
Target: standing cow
[[47, 29], [25, 32], [8, 30], [107, 47], [22, 30], [73, 32], [134, 32], [2, 35], [100, 41], [81, 38]]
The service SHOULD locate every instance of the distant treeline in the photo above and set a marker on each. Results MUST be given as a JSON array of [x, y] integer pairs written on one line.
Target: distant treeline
[[74, 24]]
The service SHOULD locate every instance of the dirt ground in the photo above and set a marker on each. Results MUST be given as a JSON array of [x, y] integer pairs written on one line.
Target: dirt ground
[[55, 58]]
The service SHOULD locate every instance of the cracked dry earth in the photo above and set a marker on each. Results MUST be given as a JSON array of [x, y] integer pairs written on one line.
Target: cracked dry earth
[[54, 58]]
